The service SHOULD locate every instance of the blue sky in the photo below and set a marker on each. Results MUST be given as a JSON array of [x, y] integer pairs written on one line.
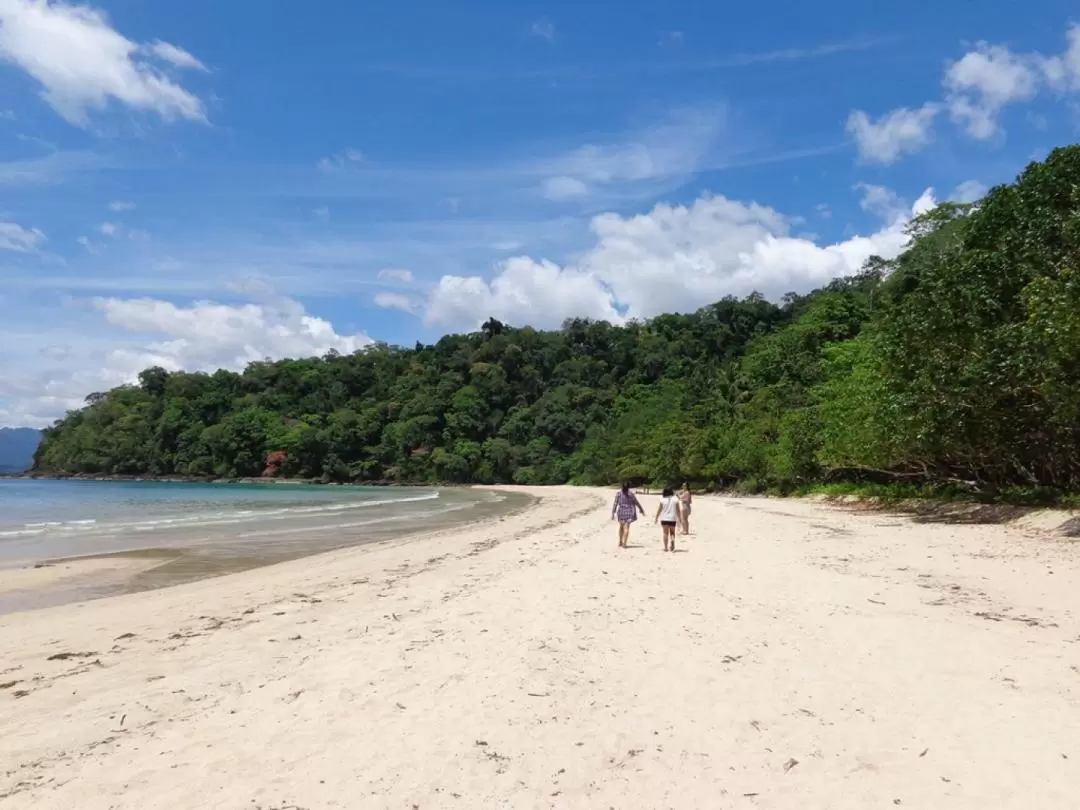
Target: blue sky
[[202, 184]]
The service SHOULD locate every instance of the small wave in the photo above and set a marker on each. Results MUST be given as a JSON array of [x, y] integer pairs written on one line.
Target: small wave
[[216, 518], [22, 533]]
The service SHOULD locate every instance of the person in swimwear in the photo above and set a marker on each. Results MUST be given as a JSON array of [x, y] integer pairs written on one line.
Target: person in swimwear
[[685, 500]]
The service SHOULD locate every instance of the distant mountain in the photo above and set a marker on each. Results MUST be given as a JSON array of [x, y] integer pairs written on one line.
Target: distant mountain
[[17, 446]]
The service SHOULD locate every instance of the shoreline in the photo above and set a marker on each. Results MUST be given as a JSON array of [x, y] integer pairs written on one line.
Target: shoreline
[[992, 511], [31, 475], [791, 654], [37, 582]]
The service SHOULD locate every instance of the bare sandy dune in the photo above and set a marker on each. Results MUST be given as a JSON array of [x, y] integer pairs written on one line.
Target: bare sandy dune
[[791, 655]]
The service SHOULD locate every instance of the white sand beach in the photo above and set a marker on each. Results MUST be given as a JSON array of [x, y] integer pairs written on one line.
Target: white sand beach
[[792, 655]]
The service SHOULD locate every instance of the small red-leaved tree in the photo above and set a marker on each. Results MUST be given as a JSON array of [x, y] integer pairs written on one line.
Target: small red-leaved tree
[[274, 462]]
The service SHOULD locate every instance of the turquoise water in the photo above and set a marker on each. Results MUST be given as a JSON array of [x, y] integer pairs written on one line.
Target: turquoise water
[[52, 519]]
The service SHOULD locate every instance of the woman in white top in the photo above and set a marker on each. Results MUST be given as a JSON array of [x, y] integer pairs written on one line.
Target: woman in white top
[[669, 515]]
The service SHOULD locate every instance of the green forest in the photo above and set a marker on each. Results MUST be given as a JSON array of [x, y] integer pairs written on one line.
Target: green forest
[[956, 364]]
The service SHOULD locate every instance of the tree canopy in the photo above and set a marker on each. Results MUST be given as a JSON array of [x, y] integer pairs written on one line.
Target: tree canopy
[[957, 361]]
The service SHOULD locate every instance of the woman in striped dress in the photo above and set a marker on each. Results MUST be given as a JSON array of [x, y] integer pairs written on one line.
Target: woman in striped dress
[[625, 510]]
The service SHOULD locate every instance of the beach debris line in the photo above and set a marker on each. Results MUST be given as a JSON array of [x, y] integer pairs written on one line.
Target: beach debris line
[[64, 656]]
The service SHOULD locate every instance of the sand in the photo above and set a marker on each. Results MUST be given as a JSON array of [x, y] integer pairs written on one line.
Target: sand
[[791, 655], [79, 570], [48, 583]]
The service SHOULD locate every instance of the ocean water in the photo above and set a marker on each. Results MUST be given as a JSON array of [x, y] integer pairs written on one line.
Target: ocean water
[[241, 524]]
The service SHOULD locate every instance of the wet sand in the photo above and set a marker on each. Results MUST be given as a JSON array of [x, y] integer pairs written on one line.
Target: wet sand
[[188, 555], [790, 655]]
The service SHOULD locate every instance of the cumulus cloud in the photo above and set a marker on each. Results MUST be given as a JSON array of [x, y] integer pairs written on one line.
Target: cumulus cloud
[[524, 291], [82, 63], [894, 134], [976, 89], [19, 239], [983, 82], [1062, 72], [119, 206], [110, 229], [207, 335], [141, 332], [673, 259]]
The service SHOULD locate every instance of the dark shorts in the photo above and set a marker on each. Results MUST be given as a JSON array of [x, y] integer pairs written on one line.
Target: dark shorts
[[668, 523]]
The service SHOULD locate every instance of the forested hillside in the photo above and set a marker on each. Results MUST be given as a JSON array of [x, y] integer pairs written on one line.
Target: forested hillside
[[958, 362]]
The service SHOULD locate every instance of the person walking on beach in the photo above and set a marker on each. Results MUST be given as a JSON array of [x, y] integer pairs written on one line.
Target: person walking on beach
[[685, 500], [625, 509], [668, 515]]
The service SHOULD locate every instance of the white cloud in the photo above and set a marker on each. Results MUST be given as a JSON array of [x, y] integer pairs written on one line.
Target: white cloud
[[882, 202], [564, 188], [393, 300], [969, 191], [902, 131], [177, 57], [207, 335], [54, 167], [110, 229], [524, 291], [635, 160], [19, 239], [673, 149], [38, 386], [322, 212], [544, 30], [980, 84], [824, 211], [1063, 72], [137, 235], [119, 206], [976, 89], [340, 161], [396, 274], [672, 259], [82, 62]]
